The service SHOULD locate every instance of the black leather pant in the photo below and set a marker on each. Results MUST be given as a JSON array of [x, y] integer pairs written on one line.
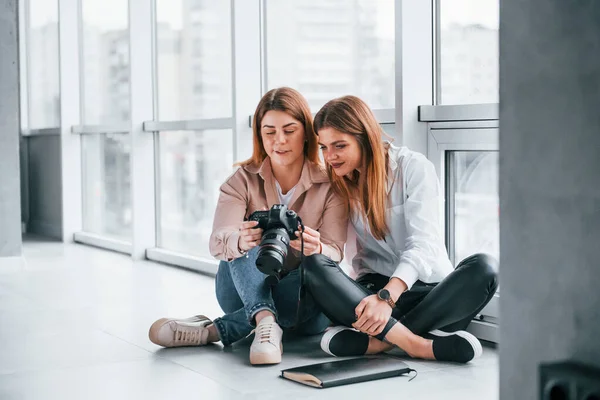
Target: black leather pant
[[449, 305]]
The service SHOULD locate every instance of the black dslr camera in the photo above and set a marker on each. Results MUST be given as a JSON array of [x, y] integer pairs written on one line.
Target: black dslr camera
[[279, 226]]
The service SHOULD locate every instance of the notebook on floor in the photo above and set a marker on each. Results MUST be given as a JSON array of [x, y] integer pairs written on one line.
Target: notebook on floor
[[344, 372]]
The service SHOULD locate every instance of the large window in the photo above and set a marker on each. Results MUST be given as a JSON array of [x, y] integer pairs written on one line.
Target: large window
[[43, 64], [329, 48], [193, 165], [194, 82], [473, 202], [193, 59], [105, 79], [468, 51], [106, 185], [105, 62]]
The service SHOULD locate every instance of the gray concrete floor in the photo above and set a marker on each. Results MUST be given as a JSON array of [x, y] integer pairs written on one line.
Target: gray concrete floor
[[74, 325]]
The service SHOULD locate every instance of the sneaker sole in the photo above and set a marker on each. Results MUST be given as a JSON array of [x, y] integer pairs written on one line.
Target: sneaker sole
[[155, 328], [265, 358], [328, 335], [473, 341]]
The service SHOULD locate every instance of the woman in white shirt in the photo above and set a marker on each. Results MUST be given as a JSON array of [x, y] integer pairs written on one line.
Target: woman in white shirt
[[406, 291]]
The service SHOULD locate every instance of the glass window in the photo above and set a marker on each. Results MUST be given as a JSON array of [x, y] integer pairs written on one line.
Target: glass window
[[105, 63], [329, 48], [105, 78], [474, 204], [43, 64], [193, 166], [469, 57], [107, 185], [194, 59]]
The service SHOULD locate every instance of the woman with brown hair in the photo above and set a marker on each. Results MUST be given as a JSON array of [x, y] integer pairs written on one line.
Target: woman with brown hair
[[284, 169], [406, 293]]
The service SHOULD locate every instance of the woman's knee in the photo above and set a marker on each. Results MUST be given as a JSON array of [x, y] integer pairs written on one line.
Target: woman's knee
[[317, 267], [319, 261], [483, 269]]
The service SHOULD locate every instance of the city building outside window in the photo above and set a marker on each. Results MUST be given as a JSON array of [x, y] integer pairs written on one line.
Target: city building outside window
[[194, 82], [468, 51], [330, 48], [105, 101]]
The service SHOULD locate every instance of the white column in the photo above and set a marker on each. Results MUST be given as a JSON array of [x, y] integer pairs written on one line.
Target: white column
[[24, 64], [69, 18], [10, 193], [414, 70], [246, 58], [141, 59], [23, 12]]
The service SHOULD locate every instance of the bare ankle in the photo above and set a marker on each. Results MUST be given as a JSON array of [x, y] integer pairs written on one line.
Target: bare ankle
[[423, 348], [213, 335], [376, 346], [428, 350], [414, 345]]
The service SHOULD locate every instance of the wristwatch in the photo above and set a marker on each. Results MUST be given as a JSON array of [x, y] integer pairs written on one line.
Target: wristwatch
[[384, 295]]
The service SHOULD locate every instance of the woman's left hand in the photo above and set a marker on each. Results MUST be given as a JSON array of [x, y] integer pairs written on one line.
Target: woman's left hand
[[372, 315], [312, 241]]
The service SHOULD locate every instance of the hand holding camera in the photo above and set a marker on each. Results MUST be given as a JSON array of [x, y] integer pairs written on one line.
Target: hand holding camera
[[250, 235], [279, 225], [312, 242]]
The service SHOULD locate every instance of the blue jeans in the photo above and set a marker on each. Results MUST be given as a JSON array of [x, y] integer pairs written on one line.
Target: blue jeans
[[242, 293]]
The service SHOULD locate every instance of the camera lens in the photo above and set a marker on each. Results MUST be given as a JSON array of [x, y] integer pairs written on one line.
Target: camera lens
[[272, 251]]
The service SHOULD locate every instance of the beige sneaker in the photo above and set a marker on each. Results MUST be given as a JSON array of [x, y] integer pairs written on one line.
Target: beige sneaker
[[266, 347], [169, 332]]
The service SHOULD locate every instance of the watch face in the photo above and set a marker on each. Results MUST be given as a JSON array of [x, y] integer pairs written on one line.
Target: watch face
[[383, 294]]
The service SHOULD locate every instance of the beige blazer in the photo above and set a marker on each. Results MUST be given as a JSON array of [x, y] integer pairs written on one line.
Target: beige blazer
[[252, 188]]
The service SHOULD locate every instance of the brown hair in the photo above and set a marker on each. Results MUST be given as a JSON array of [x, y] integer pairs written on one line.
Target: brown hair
[[352, 116], [293, 103]]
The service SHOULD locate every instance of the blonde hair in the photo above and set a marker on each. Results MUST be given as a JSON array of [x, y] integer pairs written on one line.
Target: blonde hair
[[293, 103], [352, 116]]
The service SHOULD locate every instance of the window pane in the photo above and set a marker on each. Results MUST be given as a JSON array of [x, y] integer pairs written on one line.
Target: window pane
[[469, 51], [191, 173], [329, 48], [194, 59], [43, 64], [107, 185], [476, 203], [105, 50]]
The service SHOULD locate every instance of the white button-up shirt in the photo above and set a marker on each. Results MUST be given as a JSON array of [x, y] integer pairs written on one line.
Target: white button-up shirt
[[413, 249]]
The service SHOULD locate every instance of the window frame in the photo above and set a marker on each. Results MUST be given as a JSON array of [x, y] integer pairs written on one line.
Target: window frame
[[462, 128]]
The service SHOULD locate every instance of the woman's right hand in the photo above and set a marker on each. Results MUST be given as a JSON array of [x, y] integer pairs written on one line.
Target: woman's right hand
[[249, 236]]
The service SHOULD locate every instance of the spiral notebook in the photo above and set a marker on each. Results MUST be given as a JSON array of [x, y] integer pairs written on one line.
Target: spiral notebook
[[344, 372]]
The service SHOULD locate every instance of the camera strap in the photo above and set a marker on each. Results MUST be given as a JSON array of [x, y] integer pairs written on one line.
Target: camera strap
[[301, 290], [274, 280]]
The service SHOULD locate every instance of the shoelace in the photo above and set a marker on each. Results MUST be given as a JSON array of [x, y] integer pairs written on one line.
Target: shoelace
[[188, 336], [263, 331]]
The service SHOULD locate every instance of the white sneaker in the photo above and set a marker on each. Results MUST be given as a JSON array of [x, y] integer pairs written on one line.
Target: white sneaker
[[170, 332], [266, 347]]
